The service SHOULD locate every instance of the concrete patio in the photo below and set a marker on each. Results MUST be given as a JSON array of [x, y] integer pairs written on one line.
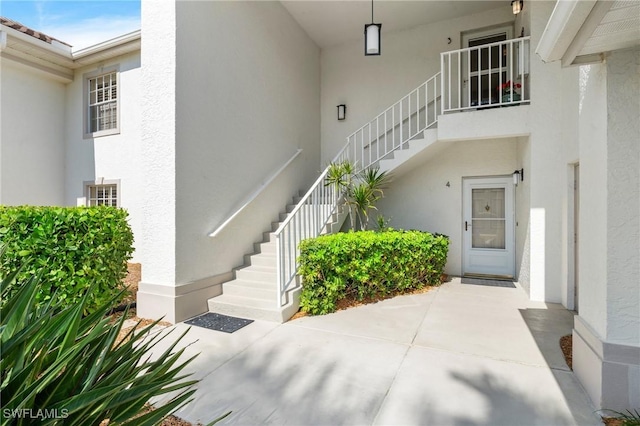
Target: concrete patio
[[461, 354]]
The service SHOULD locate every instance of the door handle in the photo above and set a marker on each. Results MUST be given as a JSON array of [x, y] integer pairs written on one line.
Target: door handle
[[466, 224]]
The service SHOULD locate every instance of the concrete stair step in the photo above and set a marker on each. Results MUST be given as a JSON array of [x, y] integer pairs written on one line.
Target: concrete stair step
[[261, 259], [251, 290], [258, 273], [268, 236], [253, 293], [257, 309], [268, 247]]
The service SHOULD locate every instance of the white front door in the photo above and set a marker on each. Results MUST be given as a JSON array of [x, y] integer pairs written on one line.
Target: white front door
[[488, 231]]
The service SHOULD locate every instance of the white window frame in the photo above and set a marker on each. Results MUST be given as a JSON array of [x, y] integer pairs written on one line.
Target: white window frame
[[86, 106], [101, 182]]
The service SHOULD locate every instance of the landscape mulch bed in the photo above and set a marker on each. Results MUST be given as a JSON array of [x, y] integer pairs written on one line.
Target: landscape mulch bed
[[566, 344], [352, 302]]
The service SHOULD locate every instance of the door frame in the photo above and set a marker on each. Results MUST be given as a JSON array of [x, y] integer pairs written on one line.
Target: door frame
[[486, 32], [509, 253]]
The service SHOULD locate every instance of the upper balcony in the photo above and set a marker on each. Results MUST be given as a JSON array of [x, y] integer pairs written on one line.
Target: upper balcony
[[486, 76], [483, 80]]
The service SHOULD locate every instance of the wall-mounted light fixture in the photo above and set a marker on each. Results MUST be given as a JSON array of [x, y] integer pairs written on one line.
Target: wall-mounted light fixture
[[372, 37], [516, 6], [342, 112], [518, 176]]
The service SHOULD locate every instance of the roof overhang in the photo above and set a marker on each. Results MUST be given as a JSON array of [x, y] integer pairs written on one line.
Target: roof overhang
[[56, 59], [583, 31]]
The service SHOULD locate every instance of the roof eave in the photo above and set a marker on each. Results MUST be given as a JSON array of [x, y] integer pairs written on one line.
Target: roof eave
[[568, 29], [124, 40]]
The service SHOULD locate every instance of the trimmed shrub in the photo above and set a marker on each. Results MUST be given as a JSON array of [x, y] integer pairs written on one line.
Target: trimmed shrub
[[368, 264], [60, 366], [76, 247]]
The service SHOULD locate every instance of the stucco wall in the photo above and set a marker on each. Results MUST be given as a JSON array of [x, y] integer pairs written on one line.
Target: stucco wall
[[593, 195], [553, 92], [623, 201], [247, 97], [421, 199], [109, 157], [156, 245], [523, 204], [31, 137], [368, 85], [606, 333]]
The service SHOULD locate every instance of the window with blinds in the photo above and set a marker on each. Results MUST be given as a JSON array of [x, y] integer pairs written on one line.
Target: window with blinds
[[103, 102], [102, 195]]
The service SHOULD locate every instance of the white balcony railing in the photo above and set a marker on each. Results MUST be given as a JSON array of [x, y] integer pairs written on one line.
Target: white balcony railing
[[485, 76]]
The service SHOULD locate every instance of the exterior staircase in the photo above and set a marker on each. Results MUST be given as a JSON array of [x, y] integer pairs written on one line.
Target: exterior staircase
[[398, 139], [253, 292]]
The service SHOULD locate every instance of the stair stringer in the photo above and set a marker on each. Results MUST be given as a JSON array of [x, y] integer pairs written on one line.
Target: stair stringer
[[413, 153], [253, 291]]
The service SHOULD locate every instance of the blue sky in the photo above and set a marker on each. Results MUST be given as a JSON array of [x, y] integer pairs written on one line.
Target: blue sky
[[79, 23]]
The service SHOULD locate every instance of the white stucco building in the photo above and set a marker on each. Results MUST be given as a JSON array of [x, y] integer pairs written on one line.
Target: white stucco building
[[209, 121]]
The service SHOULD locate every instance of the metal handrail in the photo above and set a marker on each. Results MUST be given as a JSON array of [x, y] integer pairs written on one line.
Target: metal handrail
[[254, 195]]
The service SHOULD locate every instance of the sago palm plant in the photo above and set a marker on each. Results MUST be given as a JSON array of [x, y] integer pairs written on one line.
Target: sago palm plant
[[59, 366], [360, 191]]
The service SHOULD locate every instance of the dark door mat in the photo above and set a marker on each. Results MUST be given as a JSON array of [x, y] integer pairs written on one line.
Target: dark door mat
[[489, 283], [219, 322]]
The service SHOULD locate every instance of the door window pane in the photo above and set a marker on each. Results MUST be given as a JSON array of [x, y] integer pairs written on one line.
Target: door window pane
[[488, 234], [488, 218]]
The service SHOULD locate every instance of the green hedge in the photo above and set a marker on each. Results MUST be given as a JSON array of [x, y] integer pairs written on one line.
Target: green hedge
[[368, 264], [74, 247]]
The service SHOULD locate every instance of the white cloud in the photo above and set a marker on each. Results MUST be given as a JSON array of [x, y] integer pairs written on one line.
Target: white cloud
[[91, 31]]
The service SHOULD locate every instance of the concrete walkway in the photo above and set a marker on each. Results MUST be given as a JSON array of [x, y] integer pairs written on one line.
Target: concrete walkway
[[461, 354]]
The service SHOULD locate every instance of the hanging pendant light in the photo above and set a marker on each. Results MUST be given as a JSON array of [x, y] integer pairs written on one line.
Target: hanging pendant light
[[372, 37]]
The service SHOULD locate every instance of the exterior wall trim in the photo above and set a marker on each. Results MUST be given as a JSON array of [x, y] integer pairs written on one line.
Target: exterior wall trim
[[609, 372], [180, 302]]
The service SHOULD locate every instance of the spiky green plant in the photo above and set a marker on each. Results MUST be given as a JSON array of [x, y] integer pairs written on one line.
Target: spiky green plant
[[628, 418], [72, 368], [359, 190], [382, 223]]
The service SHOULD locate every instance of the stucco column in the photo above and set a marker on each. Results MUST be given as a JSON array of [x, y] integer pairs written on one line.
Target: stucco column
[[156, 244], [606, 349], [547, 177]]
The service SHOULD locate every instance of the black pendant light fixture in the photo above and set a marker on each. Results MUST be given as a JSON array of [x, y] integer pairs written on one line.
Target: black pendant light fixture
[[372, 37]]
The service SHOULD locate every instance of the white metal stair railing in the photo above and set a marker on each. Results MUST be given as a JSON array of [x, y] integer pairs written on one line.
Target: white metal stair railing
[[306, 220], [473, 78], [377, 139], [395, 126]]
